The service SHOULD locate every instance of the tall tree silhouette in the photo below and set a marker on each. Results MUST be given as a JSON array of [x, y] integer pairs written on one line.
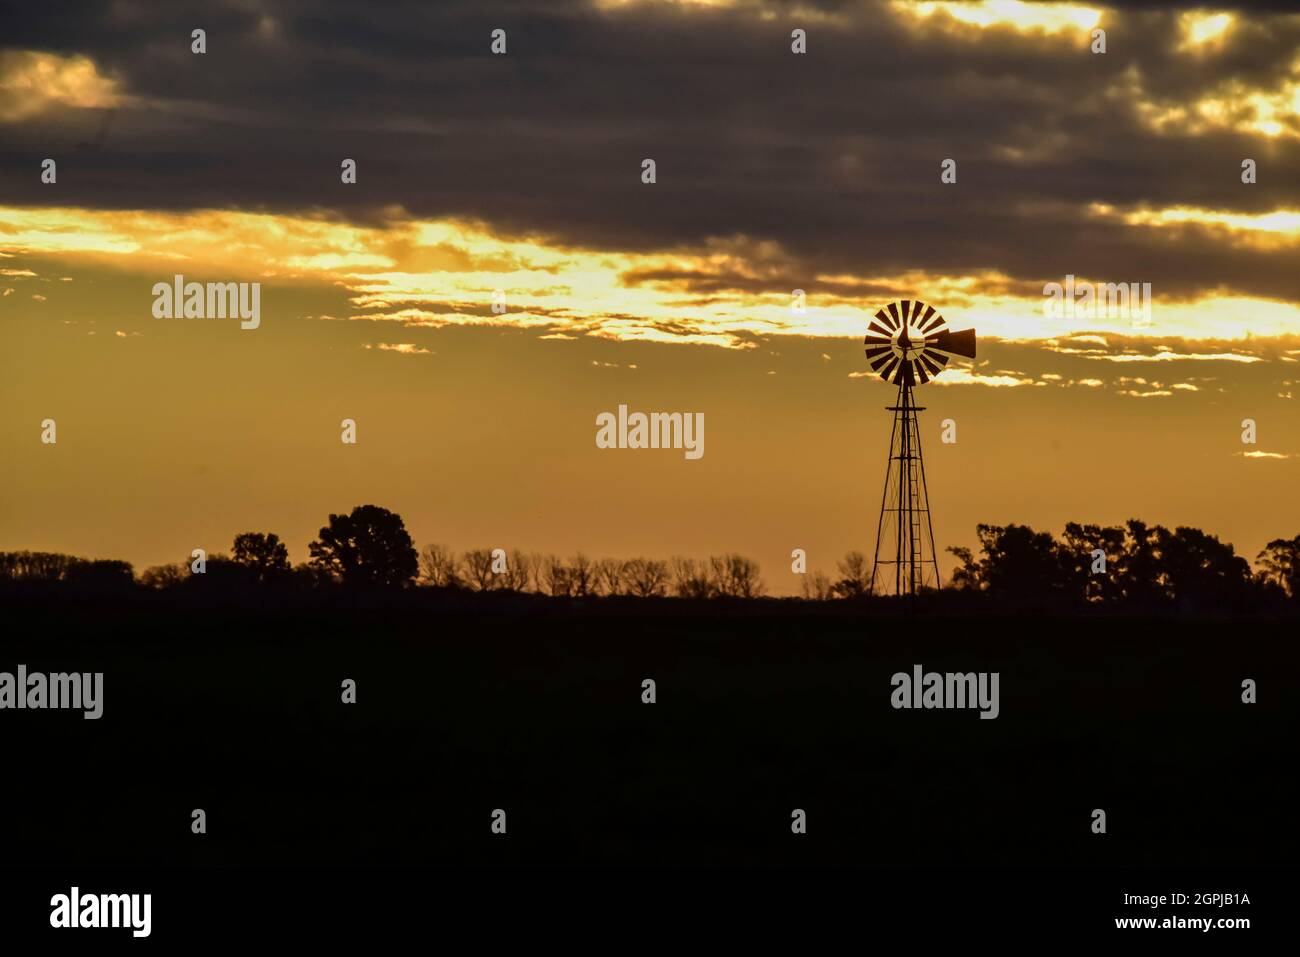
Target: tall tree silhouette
[[1142, 570], [1280, 563], [369, 546]]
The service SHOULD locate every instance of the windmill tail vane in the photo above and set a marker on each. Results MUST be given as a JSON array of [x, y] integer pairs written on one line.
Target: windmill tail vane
[[908, 343]]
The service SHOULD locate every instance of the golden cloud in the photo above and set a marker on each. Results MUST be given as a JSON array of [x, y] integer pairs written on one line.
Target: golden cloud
[[1013, 14], [32, 82]]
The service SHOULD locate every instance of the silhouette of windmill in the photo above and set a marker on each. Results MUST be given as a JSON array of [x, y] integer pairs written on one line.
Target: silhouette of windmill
[[908, 344]]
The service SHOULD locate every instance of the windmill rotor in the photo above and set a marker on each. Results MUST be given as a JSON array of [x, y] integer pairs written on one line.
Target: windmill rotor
[[909, 343]]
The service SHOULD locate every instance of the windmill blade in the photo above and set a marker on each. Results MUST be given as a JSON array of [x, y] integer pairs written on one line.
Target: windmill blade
[[934, 326], [932, 362], [958, 343], [884, 359], [886, 324], [893, 312], [919, 365], [876, 334], [874, 351]]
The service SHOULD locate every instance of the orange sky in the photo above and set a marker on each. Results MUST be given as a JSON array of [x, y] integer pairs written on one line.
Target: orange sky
[[478, 425]]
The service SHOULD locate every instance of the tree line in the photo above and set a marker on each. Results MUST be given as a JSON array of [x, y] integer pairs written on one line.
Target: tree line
[[370, 547], [1133, 566]]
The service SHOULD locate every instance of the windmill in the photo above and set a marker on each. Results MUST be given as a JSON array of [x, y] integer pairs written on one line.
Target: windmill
[[908, 344]]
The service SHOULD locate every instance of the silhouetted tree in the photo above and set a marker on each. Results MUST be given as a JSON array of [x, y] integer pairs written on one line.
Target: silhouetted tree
[[369, 546], [1141, 572], [855, 576], [518, 572], [646, 577], [691, 579], [735, 576], [581, 576], [37, 566], [1201, 573], [1280, 564], [476, 570], [1019, 566], [553, 576], [609, 576], [816, 586], [1077, 562], [264, 555], [966, 576], [438, 566], [164, 576], [101, 575], [1147, 568], [95, 574]]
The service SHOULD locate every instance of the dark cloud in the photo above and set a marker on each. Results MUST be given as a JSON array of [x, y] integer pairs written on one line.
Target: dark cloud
[[834, 155]]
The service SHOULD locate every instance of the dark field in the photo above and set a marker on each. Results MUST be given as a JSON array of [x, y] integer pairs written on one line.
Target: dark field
[[537, 710]]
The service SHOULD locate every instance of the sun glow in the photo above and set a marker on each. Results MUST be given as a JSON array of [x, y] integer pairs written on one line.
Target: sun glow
[[1020, 16], [729, 291]]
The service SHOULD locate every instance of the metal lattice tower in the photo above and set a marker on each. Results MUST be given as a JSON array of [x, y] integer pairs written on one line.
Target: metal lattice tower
[[908, 344]]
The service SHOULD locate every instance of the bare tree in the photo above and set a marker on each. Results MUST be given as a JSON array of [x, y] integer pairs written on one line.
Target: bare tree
[[536, 567], [609, 576], [691, 579], [735, 576], [855, 577], [817, 587], [553, 576], [438, 566], [582, 577], [519, 571], [476, 568], [646, 577]]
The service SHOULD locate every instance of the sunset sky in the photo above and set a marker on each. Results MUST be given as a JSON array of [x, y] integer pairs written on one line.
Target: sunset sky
[[523, 173]]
